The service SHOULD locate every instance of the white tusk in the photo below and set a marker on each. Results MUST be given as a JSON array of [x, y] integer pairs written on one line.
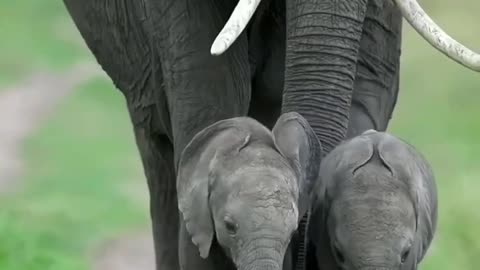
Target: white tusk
[[430, 31], [233, 28]]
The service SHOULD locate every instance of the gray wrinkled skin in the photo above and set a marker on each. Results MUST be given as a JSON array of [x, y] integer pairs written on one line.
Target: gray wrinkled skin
[[241, 191], [157, 54], [376, 205]]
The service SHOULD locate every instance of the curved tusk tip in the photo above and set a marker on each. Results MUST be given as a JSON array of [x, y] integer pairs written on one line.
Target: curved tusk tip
[[218, 47]]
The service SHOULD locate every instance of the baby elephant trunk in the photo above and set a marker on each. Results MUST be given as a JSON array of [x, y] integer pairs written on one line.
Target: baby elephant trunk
[[264, 265], [264, 255]]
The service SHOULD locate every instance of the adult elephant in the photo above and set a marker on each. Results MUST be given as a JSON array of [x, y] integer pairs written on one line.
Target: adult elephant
[[157, 54], [187, 110]]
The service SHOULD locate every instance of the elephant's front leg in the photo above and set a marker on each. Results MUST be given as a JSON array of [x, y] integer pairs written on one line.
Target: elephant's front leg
[[117, 32], [156, 152], [377, 78], [201, 89]]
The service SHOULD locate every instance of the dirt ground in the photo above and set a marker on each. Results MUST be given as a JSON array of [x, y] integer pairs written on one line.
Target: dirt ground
[[129, 252], [24, 106]]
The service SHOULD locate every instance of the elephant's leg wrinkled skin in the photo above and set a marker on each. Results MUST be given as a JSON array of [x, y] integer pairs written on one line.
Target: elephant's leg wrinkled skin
[[197, 96], [116, 33], [156, 152]]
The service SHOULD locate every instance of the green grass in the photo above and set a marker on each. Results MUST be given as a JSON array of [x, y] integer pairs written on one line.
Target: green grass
[[36, 35], [80, 166], [438, 113]]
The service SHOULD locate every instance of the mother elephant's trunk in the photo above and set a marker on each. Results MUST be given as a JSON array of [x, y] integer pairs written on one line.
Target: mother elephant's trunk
[[322, 44], [323, 38]]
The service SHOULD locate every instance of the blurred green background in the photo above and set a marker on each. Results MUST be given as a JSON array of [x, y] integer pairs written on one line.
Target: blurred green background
[[83, 184]]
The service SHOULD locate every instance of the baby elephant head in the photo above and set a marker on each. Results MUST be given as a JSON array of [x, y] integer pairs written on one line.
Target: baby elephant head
[[376, 205], [245, 187]]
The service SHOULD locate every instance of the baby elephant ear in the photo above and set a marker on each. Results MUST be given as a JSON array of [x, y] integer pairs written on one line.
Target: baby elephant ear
[[194, 172], [410, 166], [297, 142], [342, 162]]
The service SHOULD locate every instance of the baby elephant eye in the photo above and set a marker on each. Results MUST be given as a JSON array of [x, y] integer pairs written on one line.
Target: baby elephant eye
[[230, 225], [405, 255]]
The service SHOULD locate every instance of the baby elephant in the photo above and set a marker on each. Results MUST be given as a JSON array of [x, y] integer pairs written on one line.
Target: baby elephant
[[375, 206], [242, 190]]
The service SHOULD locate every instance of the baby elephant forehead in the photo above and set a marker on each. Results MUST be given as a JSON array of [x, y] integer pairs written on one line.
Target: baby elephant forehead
[[387, 211], [265, 187], [370, 182], [263, 180], [278, 213], [375, 196]]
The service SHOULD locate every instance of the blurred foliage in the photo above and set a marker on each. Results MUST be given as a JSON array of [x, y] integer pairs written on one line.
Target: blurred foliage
[[82, 162], [438, 113], [35, 35], [81, 166]]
